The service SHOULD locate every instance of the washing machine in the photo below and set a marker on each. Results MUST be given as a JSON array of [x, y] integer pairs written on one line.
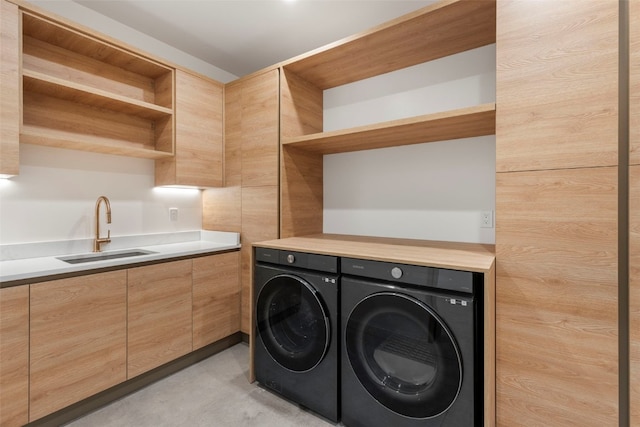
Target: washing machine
[[412, 347], [296, 328]]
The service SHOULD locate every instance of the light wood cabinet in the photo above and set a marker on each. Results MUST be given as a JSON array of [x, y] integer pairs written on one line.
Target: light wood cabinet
[[198, 154], [216, 298], [442, 29], [557, 297], [159, 314], [260, 139], [221, 206], [233, 108], [259, 223], [14, 356], [557, 349], [634, 82], [634, 292], [78, 339], [249, 202], [83, 92], [554, 82], [10, 89]]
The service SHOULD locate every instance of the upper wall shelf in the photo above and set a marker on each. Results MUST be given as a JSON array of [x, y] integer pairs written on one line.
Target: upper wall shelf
[[84, 93], [34, 81], [442, 29], [461, 123]]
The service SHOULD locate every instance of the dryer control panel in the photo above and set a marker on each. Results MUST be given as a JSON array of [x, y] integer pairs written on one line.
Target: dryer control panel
[[441, 278], [316, 262]]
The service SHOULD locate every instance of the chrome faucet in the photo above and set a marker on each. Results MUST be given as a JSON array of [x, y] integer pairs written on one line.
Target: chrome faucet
[[98, 241]]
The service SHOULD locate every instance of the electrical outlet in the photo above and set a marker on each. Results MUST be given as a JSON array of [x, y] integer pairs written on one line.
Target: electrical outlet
[[173, 214], [486, 219]]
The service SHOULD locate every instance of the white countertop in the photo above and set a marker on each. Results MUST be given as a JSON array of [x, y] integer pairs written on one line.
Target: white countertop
[[20, 271]]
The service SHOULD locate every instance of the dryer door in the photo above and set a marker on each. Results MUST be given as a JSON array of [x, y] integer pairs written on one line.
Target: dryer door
[[292, 322], [403, 355]]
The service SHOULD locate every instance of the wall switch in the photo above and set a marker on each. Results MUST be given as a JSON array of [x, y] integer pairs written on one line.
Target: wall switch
[[486, 219], [173, 214]]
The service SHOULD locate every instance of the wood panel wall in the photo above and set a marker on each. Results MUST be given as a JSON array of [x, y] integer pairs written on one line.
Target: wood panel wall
[[557, 213], [634, 212]]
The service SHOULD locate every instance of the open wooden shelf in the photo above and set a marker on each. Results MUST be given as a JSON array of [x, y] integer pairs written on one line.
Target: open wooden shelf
[[34, 81], [98, 144], [442, 29], [89, 46], [84, 93], [462, 123]]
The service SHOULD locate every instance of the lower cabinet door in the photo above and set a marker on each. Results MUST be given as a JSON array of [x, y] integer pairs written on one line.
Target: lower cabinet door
[[159, 315], [78, 339], [14, 356], [216, 298]]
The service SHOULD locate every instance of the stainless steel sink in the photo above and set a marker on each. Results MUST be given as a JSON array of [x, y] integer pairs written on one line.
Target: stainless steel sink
[[103, 256]]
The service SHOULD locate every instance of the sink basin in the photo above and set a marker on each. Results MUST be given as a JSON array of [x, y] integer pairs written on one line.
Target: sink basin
[[103, 256]]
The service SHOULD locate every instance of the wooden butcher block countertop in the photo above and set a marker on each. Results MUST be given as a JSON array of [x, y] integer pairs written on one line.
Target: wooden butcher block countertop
[[451, 255]]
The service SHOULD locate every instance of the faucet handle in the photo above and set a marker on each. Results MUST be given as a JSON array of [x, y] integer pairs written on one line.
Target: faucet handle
[[109, 235]]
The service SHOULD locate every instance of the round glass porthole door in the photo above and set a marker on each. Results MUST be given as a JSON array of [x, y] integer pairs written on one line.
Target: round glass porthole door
[[404, 355], [292, 323]]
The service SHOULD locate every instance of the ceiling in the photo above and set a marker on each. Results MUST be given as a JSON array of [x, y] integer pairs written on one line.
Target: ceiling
[[243, 36]]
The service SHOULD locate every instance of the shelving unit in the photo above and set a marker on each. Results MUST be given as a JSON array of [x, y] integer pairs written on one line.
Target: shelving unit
[[442, 29], [104, 98]]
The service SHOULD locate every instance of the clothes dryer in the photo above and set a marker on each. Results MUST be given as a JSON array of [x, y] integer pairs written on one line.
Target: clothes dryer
[[412, 351], [296, 328]]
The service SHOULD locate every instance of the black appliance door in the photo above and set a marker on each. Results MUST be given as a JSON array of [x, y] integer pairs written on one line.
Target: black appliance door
[[403, 355], [292, 322]]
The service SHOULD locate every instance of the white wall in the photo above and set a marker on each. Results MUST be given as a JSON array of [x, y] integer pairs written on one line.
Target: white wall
[[54, 196], [433, 191]]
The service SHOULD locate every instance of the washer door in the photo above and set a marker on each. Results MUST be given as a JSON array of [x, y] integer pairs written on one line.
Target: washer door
[[404, 355], [292, 322]]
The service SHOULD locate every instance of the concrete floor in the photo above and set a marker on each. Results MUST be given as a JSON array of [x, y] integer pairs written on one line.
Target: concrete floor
[[212, 393]]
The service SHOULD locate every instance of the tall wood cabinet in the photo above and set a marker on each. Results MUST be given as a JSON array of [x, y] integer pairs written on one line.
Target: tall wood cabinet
[[14, 356], [557, 213], [78, 334], [249, 202]]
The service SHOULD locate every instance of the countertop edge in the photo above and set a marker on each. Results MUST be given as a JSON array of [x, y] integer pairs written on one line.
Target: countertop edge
[[57, 269], [476, 257]]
